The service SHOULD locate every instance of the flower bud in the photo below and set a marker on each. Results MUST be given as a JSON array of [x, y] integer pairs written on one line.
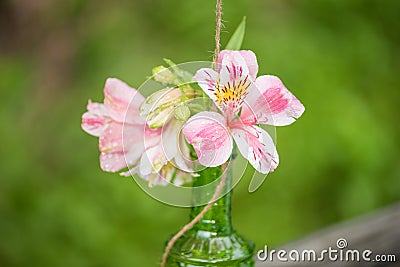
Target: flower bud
[[165, 76], [158, 107], [182, 112]]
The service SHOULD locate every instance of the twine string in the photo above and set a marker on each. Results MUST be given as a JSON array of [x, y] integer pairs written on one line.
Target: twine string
[[218, 15]]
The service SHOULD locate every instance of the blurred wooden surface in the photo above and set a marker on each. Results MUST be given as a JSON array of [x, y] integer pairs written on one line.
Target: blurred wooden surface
[[378, 232]]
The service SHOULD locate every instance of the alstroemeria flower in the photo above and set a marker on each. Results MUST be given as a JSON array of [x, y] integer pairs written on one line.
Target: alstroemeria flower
[[244, 102], [126, 141], [109, 120]]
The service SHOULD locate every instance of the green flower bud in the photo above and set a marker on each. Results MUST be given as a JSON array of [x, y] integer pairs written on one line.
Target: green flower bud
[[182, 112], [160, 106], [165, 76]]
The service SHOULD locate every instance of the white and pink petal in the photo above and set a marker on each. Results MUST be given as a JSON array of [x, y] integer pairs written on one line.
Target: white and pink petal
[[244, 58], [182, 159], [233, 68], [114, 155], [170, 138], [257, 146], [133, 144], [208, 134], [95, 120], [207, 79], [121, 101], [152, 160], [154, 179], [270, 102], [111, 139], [112, 161]]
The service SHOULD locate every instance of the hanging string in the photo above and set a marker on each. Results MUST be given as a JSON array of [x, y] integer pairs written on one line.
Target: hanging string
[[218, 15], [221, 184]]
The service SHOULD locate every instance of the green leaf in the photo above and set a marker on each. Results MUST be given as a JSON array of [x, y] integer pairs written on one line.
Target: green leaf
[[237, 38]]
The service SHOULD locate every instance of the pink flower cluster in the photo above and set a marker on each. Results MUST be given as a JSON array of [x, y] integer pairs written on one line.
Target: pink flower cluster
[[160, 155]]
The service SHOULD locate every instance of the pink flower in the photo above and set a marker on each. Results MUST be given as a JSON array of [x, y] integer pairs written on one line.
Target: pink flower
[[244, 101], [126, 141], [110, 120]]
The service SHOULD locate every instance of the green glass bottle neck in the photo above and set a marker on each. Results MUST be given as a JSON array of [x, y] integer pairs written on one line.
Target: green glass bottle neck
[[218, 218]]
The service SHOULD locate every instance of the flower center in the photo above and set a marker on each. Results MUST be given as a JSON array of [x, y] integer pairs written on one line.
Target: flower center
[[232, 94]]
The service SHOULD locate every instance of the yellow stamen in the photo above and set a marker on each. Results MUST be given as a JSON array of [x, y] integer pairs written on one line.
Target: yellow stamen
[[231, 92]]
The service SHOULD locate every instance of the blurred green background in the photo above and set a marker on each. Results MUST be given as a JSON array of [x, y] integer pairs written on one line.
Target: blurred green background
[[340, 160]]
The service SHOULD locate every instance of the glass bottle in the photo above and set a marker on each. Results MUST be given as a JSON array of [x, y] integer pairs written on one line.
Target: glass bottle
[[212, 241]]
